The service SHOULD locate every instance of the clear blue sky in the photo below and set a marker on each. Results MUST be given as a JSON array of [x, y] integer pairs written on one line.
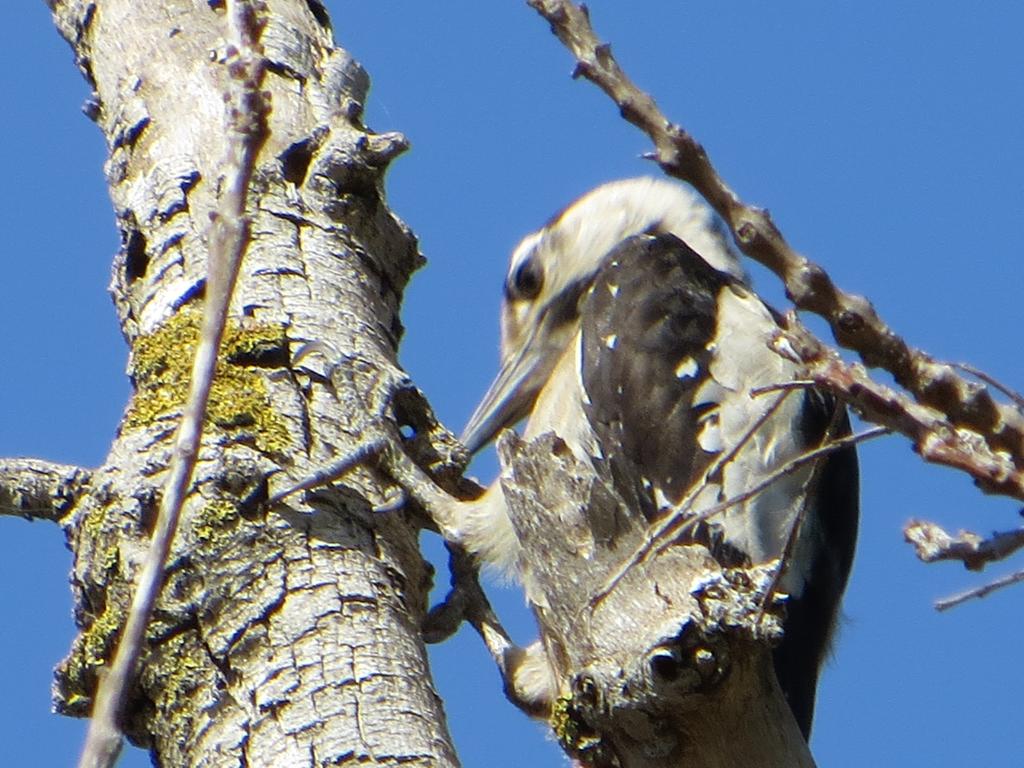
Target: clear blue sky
[[886, 139]]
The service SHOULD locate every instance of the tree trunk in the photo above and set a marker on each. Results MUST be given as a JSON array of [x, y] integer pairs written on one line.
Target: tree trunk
[[287, 636]]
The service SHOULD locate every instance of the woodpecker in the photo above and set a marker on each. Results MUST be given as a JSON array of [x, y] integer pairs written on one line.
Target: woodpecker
[[629, 329]]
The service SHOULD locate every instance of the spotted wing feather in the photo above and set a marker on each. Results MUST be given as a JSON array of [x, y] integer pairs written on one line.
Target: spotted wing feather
[[645, 331], [649, 330]]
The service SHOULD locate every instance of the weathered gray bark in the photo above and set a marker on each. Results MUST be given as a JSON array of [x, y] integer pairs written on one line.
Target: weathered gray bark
[[287, 636], [665, 663]]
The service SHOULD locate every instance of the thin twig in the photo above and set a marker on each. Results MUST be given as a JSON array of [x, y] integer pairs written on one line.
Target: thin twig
[[673, 518], [997, 456], [786, 386], [979, 592], [935, 439], [993, 382], [786, 556], [466, 601], [335, 471], [229, 236], [676, 521]]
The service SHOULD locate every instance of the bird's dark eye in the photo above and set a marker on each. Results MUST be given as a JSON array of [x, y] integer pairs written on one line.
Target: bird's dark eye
[[526, 281]]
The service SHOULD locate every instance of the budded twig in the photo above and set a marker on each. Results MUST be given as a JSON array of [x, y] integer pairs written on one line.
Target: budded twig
[[951, 420], [993, 451]]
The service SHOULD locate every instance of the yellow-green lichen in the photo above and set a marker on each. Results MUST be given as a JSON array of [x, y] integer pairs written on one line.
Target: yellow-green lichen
[[178, 668], [179, 671], [93, 522], [97, 641], [91, 652], [567, 728], [109, 558], [93, 525], [211, 525], [76, 701], [161, 368]]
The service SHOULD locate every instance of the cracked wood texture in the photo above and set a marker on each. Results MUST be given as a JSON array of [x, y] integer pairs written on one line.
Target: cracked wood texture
[[282, 637], [664, 664]]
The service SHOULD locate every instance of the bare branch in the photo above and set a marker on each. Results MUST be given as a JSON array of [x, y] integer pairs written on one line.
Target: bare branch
[[466, 600], [935, 438], [993, 454], [932, 543], [524, 671], [229, 235], [40, 490], [979, 592]]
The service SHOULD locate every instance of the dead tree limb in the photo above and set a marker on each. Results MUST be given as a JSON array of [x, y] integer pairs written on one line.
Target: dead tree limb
[[40, 490], [671, 665]]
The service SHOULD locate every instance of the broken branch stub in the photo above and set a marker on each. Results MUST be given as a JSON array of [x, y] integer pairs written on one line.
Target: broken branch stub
[[669, 664]]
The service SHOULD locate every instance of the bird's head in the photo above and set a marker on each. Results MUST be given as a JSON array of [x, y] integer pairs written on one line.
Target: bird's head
[[551, 272]]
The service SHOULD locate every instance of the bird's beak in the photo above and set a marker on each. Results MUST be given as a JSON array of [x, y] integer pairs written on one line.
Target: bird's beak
[[510, 396]]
